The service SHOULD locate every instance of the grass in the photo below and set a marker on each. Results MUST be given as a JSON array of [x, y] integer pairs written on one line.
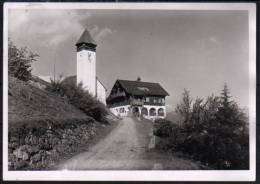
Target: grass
[[27, 103]]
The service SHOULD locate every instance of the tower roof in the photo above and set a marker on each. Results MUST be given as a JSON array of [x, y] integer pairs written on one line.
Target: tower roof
[[86, 38]]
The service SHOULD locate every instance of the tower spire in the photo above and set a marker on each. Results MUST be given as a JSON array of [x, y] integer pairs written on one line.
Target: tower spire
[[86, 42]]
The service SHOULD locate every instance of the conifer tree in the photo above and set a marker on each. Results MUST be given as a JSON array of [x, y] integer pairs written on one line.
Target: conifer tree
[[230, 126], [184, 108]]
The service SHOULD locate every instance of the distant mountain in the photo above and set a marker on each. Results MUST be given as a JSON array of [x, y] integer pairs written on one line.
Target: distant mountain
[[173, 116]]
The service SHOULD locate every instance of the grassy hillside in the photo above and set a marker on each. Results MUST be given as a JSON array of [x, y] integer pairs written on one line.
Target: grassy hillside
[[27, 102], [43, 128]]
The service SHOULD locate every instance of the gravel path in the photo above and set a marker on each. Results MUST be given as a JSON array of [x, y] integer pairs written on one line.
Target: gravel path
[[125, 148]]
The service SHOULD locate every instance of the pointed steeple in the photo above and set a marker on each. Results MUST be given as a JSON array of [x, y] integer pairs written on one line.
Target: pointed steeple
[[86, 42]]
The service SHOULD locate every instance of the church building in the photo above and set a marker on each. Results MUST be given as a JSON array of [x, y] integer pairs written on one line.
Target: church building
[[86, 67], [137, 98]]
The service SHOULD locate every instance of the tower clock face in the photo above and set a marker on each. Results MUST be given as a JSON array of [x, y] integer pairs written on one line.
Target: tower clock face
[[89, 57]]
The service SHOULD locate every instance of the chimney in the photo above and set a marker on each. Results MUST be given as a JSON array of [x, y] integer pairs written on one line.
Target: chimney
[[138, 79]]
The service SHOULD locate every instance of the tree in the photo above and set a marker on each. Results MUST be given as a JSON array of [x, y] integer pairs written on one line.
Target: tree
[[214, 131], [197, 111], [55, 85], [19, 61], [184, 108], [232, 134], [226, 97], [229, 113]]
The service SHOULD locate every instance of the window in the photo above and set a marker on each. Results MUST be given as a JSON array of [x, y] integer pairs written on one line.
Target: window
[[122, 110], [143, 88], [161, 112], [147, 99], [144, 111], [152, 112]]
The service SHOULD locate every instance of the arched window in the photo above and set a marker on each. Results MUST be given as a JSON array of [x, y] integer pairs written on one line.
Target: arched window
[[152, 112], [144, 111], [135, 110], [161, 112]]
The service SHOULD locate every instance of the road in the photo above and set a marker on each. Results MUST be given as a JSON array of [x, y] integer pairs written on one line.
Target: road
[[124, 148]]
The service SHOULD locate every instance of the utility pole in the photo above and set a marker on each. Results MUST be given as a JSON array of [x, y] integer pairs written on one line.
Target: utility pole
[[54, 68]]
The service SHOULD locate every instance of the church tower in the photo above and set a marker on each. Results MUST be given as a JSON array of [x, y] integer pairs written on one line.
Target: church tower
[[86, 62]]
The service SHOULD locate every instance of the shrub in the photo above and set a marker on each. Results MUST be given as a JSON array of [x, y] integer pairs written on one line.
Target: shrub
[[19, 61], [55, 85], [80, 98], [173, 134], [215, 133], [163, 128]]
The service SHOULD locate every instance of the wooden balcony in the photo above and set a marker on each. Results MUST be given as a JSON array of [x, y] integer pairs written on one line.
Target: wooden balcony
[[155, 103], [116, 104], [136, 102]]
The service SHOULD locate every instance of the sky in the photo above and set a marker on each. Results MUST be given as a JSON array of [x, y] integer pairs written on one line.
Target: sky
[[191, 49]]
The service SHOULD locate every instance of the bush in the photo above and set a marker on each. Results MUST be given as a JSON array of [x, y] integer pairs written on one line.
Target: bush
[[172, 134], [213, 131], [80, 98], [163, 128], [19, 61], [55, 85]]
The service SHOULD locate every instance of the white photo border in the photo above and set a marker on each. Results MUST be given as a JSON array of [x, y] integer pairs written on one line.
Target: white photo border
[[133, 175]]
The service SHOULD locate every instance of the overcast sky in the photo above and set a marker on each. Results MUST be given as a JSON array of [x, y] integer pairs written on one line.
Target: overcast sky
[[196, 50]]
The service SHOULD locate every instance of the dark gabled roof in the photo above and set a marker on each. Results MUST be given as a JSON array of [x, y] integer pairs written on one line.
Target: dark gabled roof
[[86, 38], [101, 83], [142, 88]]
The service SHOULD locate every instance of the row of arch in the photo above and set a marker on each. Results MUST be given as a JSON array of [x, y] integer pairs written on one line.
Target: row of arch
[[152, 111]]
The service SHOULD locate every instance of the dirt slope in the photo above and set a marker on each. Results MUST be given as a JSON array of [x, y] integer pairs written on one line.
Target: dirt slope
[[27, 102]]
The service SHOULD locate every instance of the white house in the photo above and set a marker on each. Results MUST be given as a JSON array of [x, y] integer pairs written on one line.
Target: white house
[[136, 97]]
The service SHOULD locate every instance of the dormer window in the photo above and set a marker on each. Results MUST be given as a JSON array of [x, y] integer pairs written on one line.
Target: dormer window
[[147, 99], [163, 100], [143, 88]]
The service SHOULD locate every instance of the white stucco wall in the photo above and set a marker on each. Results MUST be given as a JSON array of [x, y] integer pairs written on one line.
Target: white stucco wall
[[46, 78], [101, 92], [86, 70], [116, 110], [156, 108]]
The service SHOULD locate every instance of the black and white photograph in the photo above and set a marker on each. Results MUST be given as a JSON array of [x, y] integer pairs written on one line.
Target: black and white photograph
[[129, 91]]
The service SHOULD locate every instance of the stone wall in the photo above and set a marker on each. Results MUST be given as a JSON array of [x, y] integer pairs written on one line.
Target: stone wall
[[36, 148]]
